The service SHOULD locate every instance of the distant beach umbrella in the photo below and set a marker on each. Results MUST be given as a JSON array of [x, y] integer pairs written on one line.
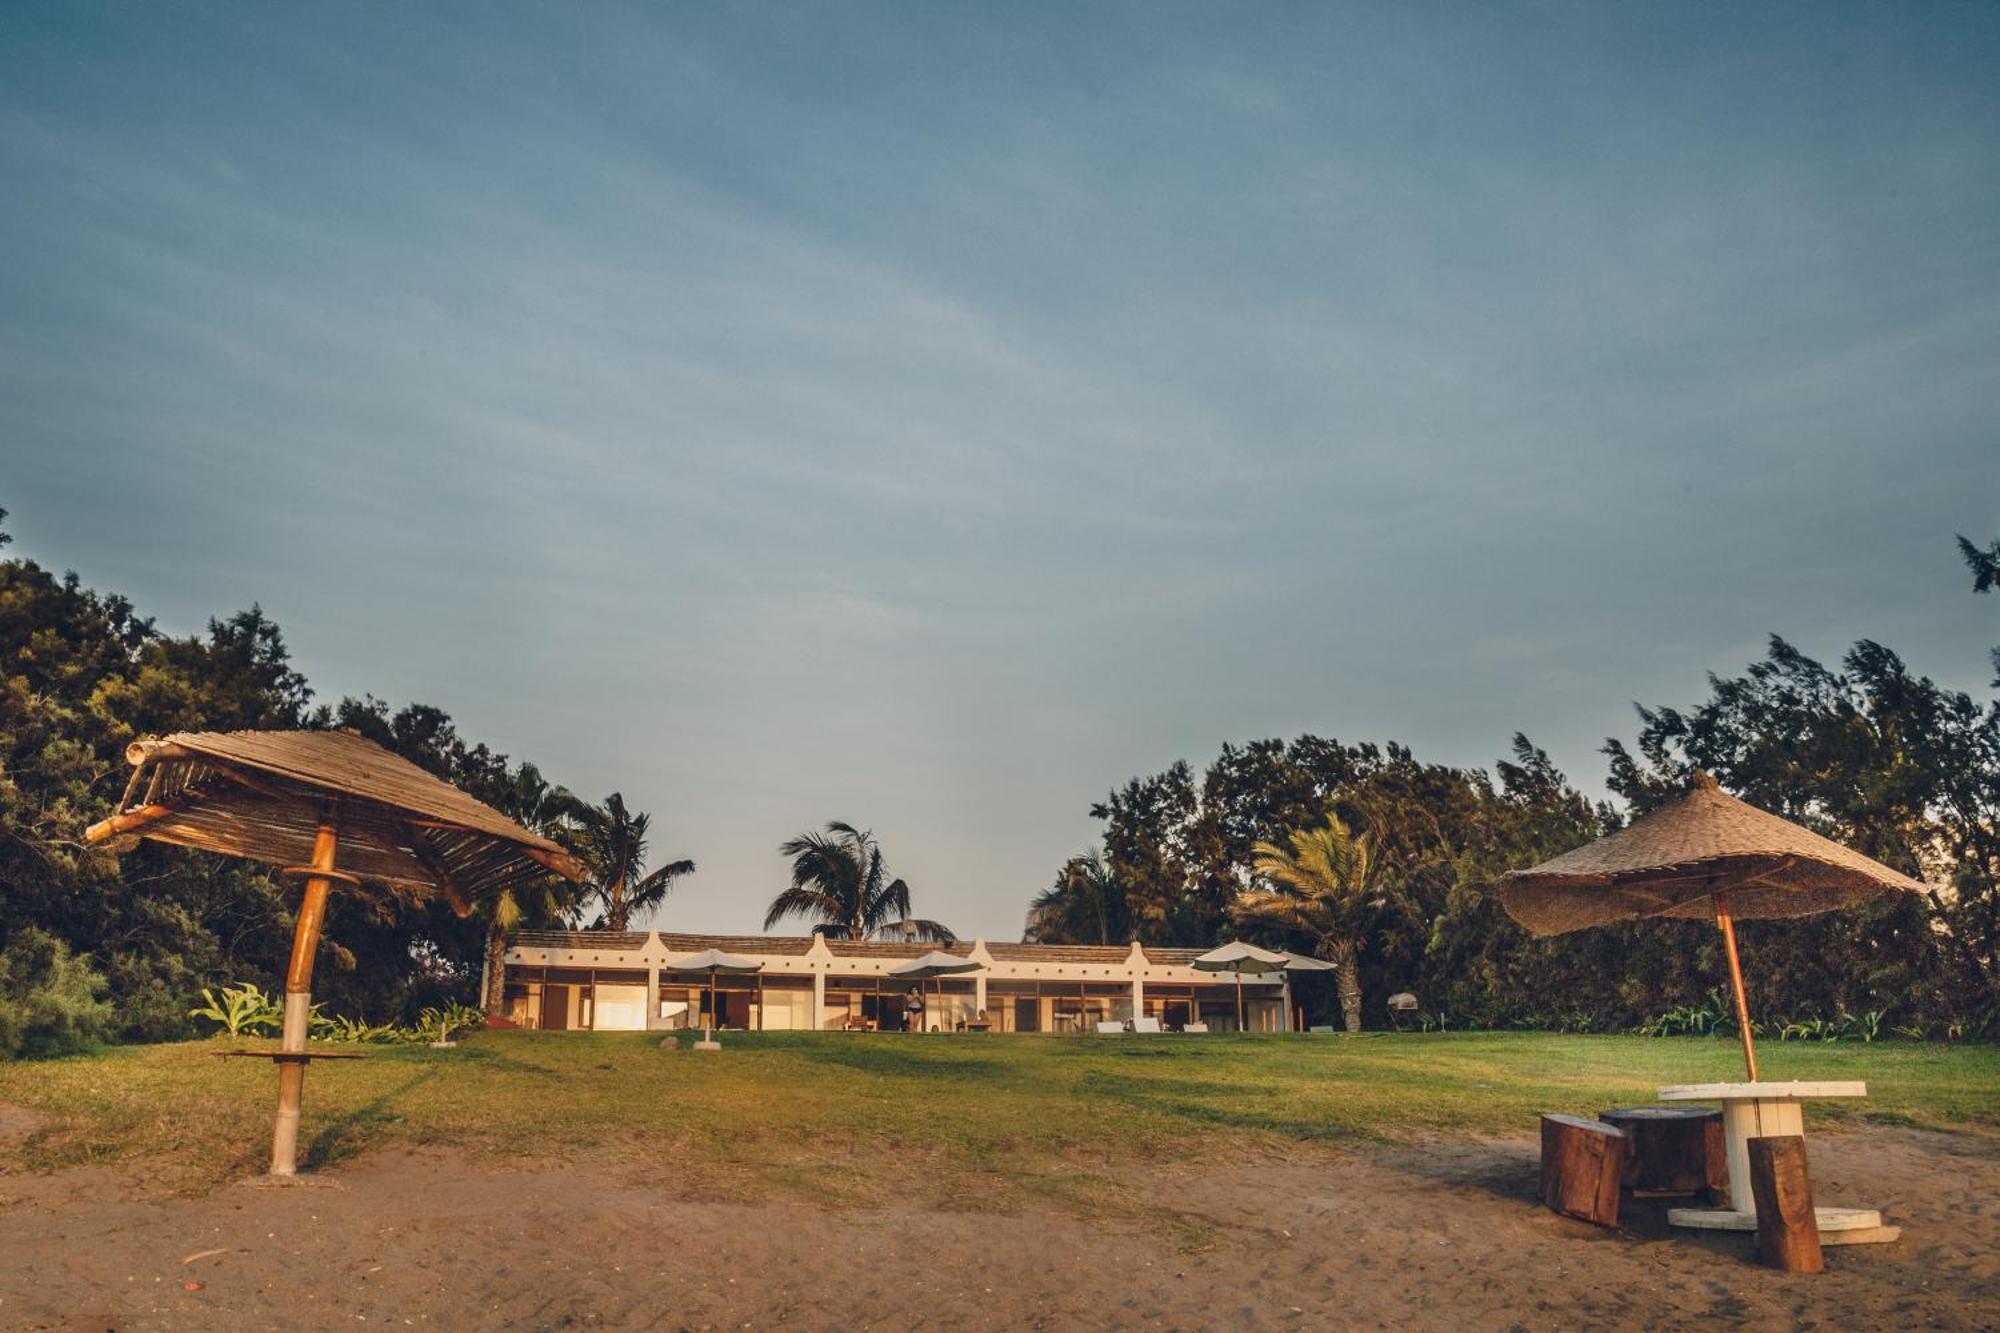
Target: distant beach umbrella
[[1703, 855], [302, 800], [713, 961], [1238, 958], [936, 963]]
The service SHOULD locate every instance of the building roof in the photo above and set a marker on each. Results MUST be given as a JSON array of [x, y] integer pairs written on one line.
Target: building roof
[[1062, 953], [622, 941], [792, 945], [840, 948]]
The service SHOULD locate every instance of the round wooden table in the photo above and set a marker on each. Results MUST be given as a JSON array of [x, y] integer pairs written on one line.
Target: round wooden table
[[1758, 1110]]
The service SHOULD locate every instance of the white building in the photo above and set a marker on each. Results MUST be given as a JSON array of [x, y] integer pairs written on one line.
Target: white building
[[624, 981]]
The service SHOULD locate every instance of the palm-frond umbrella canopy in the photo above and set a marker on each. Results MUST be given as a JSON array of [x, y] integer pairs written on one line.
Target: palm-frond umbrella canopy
[[325, 806], [714, 961], [1238, 957], [936, 963], [1703, 855]]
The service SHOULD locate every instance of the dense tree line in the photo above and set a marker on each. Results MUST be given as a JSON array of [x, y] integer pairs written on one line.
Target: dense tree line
[[95, 946], [1868, 753]]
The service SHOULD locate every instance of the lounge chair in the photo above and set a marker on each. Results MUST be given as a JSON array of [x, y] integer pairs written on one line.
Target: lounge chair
[[1194, 1027], [1145, 1025], [1108, 1025]]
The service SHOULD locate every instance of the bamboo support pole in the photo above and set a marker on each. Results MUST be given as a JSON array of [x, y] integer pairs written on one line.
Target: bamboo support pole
[[298, 1000], [1728, 928]]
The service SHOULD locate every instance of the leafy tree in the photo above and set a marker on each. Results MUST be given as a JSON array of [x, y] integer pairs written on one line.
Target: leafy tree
[[1985, 567], [540, 807], [611, 841], [1086, 905], [82, 674], [1887, 762], [840, 884], [1320, 885]]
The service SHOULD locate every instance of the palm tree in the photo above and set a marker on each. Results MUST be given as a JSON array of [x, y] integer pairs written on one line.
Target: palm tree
[[611, 842], [540, 807], [838, 883], [1321, 886], [1086, 905]]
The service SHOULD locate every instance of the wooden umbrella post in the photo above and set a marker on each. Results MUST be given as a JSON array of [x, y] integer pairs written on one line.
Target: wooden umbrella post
[[298, 1001], [1728, 928], [1239, 1002]]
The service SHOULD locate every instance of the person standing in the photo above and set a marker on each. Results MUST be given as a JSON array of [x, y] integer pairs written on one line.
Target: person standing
[[913, 1010]]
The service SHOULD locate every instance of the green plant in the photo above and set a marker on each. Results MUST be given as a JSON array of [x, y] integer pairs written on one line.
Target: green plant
[[240, 1009], [435, 1024], [360, 1030]]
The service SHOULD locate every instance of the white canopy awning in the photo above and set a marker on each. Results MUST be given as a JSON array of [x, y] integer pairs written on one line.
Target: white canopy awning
[[714, 960], [1239, 957], [936, 963]]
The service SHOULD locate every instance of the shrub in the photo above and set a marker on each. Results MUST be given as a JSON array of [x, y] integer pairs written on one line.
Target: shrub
[[51, 1001]]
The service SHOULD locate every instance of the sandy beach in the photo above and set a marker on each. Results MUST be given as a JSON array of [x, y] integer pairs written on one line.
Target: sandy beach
[[1433, 1235]]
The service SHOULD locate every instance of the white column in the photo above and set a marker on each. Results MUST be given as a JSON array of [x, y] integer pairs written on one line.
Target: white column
[[819, 999], [1138, 995], [978, 992], [652, 997], [1285, 998]]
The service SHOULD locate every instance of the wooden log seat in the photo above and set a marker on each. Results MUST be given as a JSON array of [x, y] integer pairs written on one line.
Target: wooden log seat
[[1673, 1151], [1787, 1227], [1582, 1164]]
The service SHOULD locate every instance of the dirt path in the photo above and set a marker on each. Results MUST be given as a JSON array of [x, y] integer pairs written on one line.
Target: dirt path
[[1438, 1237]]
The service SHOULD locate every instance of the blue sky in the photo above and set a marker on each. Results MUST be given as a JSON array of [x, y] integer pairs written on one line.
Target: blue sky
[[931, 416]]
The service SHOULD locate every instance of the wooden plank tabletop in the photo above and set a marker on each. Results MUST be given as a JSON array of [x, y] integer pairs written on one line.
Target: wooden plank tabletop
[[1759, 1092]]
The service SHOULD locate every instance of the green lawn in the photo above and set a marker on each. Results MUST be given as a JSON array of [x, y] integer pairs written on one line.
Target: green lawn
[[824, 1113]]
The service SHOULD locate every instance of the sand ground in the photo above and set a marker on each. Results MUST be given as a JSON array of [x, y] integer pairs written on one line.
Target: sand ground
[[1428, 1236]]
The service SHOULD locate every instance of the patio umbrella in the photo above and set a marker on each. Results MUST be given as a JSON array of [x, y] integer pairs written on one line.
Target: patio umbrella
[[302, 801], [936, 963], [1239, 958], [1705, 854], [713, 961]]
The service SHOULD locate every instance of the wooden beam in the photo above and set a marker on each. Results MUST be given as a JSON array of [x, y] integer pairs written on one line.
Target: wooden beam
[[461, 905], [560, 863], [133, 820]]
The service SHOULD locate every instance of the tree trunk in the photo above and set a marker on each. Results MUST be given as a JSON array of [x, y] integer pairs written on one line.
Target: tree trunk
[[615, 915], [1347, 961], [496, 970]]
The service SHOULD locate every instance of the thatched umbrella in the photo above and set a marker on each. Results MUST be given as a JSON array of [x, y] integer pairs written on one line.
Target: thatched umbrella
[[301, 800], [936, 963], [1705, 854], [713, 961]]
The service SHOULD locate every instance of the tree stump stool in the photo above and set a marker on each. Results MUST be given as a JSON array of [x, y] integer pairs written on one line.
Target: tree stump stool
[[1582, 1163], [1787, 1226], [1672, 1151]]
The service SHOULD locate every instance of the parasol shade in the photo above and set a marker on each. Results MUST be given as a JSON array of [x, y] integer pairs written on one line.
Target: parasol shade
[[1239, 957], [1677, 860], [936, 963], [263, 795], [327, 806], [1704, 855], [714, 960], [1298, 962]]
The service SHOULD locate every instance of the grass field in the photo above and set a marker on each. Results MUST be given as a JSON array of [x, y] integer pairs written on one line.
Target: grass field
[[825, 1114]]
